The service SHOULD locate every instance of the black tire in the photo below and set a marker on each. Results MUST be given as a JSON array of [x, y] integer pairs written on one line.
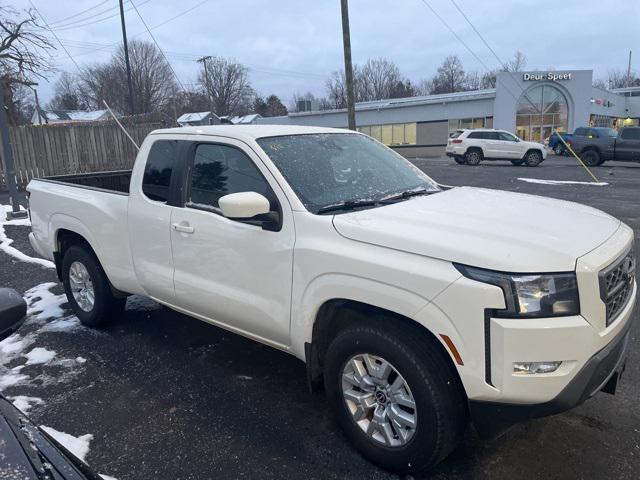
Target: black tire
[[460, 160], [105, 305], [518, 161], [558, 149], [473, 157], [439, 398], [533, 158], [591, 158]]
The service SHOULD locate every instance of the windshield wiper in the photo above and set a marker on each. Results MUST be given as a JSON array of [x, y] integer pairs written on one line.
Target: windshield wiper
[[406, 194], [347, 205]]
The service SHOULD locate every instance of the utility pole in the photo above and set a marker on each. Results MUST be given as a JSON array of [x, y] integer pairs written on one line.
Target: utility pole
[[348, 67], [204, 60], [629, 71], [10, 170], [126, 58]]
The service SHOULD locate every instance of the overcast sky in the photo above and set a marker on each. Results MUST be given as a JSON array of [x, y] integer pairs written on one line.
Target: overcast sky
[[292, 45]]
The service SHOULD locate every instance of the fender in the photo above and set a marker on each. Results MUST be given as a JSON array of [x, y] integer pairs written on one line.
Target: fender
[[333, 286]]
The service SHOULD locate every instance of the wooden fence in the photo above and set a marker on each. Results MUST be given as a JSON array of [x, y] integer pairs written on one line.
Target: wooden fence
[[41, 151]]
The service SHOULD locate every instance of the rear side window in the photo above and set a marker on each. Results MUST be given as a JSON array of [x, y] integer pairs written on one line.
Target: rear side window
[[157, 172], [219, 170], [630, 133], [455, 134], [477, 135]]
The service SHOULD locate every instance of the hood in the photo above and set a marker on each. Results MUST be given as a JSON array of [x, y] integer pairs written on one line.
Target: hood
[[492, 229]]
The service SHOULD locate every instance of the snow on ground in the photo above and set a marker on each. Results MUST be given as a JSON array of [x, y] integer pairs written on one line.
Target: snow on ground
[[79, 446], [24, 403], [42, 304], [561, 182], [107, 477], [39, 355], [5, 242]]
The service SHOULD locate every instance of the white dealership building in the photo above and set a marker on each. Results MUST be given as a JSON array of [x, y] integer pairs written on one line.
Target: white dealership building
[[530, 104]]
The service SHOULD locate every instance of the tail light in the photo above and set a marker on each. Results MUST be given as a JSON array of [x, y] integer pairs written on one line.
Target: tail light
[[457, 140]]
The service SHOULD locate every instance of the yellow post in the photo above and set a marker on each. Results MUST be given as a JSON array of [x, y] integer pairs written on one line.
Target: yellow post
[[568, 147]]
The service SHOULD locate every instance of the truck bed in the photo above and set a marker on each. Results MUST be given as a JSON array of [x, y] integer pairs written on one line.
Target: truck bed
[[114, 181]]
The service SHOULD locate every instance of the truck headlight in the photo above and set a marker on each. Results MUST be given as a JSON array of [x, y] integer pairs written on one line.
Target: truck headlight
[[531, 295]]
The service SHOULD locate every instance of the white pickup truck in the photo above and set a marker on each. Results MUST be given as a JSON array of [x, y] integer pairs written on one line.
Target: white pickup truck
[[417, 306]]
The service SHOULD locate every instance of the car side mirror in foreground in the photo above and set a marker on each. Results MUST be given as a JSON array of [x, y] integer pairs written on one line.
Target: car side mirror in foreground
[[13, 310]]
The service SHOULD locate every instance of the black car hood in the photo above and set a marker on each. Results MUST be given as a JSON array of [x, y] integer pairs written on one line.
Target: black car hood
[[28, 453]]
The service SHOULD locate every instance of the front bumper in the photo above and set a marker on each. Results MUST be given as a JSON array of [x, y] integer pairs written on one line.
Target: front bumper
[[600, 372]]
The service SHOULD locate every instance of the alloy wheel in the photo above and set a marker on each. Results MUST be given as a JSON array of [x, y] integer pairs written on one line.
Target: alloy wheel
[[379, 400], [82, 286]]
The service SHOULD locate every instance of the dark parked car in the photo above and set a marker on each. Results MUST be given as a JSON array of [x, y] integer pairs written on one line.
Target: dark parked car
[[556, 144], [597, 145], [26, 452]]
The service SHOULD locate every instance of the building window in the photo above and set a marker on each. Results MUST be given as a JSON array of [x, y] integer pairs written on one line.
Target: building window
[[459, 123], [393, 134], [541, 111]]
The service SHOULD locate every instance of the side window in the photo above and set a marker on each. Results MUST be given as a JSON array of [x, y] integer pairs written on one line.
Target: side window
[[580, 131], [492, 136], [479, 135], [506, 137], [631, 134], [592, 133], [157, 172], [219, 170]]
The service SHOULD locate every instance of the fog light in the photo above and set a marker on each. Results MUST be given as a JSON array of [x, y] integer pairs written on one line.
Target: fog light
[[535, 367]]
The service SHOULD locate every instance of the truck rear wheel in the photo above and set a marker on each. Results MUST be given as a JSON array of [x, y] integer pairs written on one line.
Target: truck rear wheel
[[473, 156], [591, 158], [395, 396], [87, 287]]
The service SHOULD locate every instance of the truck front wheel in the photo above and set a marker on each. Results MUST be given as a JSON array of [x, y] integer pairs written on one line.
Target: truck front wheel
[[87, 287], [395, 396]]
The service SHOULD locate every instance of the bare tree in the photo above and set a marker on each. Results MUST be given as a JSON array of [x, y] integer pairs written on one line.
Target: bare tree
[[154, 84], [23, 47], [68, 94], [23, 57], [378, 79], [228, 86], [449, 78], [618, 79], [517, 63]]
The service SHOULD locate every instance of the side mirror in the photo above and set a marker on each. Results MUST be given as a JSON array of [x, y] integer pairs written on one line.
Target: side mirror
[[13, 310], [244, 205]]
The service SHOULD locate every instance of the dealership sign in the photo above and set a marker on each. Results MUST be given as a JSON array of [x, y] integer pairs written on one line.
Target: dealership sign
[[553, 76]]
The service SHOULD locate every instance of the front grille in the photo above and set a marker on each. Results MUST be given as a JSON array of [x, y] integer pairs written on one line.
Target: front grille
[[616, 285]]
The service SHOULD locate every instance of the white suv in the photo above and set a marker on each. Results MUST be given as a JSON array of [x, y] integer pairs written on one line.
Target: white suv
[[472, 146]]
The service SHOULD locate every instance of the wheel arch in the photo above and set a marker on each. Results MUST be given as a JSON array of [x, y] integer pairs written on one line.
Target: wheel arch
[[336, 314]]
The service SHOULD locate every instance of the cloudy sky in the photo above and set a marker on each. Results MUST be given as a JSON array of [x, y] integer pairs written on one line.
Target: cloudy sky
[[292, 45]]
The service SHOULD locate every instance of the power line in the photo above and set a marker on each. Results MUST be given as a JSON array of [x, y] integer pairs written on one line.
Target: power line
[[56, 37], [442, 20], [174, 17], [61, 20], [157, 45], [79, 24]]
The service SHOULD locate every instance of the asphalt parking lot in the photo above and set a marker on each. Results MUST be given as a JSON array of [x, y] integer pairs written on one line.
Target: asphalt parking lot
[[166, 396]]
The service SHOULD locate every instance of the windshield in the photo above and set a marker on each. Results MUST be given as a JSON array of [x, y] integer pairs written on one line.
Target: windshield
[[333, 168], [606, 132]]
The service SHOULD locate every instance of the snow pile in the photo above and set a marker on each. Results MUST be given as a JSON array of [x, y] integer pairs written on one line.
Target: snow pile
[[24, 403], [39, 355], [79, 446], [42, 304], [5, 242], [561, 182], [67, 324]]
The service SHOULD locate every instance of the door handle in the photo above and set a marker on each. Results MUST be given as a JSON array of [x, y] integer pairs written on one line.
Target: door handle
[[182, 228]]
